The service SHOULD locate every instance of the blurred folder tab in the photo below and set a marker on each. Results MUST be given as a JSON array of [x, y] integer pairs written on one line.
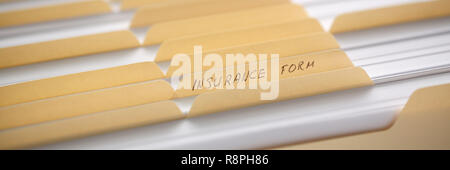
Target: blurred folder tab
[[390, 15], [175, 10], [78, 68], [223, 22], [53, 12], [422, 124], [289, 67], [88, 125], [286, 47], [66, 48], [290, 88], [130, 4], [79, 82], [429, 100], [238, 37], [84, 103], [311, 63]]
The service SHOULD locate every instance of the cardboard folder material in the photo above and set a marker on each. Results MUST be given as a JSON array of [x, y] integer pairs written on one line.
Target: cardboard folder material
[[168, 10], [53, 12], [79, 82], [302, 86], [289, 67], [284, 47], [238, 37], [87, 125], [223, 22], [66, 48], [390, 15], [84, 103], [422, 124]]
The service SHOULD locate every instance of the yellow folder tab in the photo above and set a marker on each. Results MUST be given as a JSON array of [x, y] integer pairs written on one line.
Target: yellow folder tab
[[88, 125], [130, 4], [66, 48], [390, 15], [285, 47], [79, 82], [289, 88], [289, 67], [222, 22], [53, 12], [237, 37], [168, 10], [84, 103], [422, 124]]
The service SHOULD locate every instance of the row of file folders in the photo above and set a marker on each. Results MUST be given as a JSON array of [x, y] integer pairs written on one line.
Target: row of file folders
[[311, 62]]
